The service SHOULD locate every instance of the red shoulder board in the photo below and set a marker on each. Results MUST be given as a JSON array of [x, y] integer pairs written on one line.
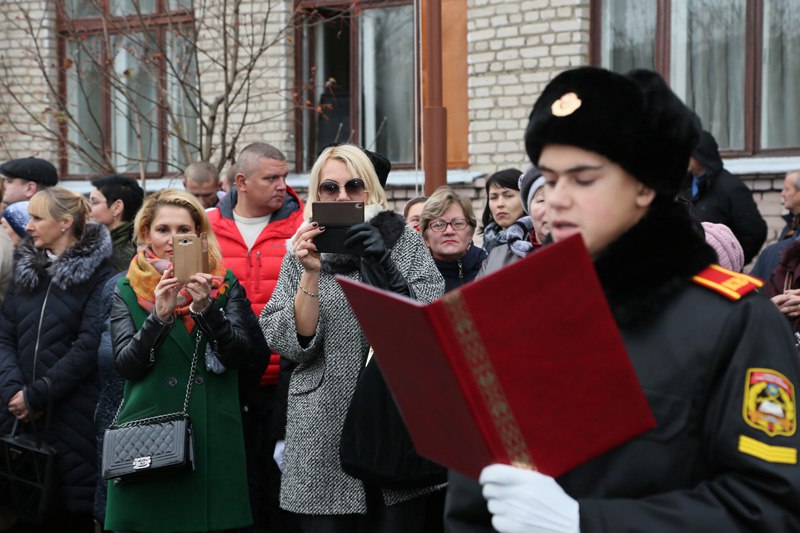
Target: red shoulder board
[[732, 284]]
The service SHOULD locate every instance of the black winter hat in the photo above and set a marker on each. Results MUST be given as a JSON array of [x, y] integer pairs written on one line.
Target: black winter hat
[[707, 152], [382, 165], [31, 169], [634, 120]]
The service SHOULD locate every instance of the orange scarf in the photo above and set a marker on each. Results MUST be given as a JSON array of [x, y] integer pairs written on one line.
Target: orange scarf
[[144, 274]]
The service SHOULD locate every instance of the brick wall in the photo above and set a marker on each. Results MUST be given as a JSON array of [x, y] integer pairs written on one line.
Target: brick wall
[[19, 69], [267, 113], [514, 49]]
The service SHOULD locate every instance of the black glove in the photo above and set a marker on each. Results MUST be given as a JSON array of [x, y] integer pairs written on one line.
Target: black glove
[[377, 268], [365, 240]]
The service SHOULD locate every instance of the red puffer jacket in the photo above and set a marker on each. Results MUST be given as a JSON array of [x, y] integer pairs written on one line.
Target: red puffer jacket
[[258, 268]]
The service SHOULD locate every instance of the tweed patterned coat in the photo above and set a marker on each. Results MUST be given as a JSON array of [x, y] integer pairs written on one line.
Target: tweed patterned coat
[[323, 383]]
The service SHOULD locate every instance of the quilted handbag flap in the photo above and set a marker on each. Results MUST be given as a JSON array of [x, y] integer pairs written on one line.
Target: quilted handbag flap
[[137, 450]]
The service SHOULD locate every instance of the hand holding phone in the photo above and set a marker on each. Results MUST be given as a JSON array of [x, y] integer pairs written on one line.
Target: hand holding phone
[[337, 218]]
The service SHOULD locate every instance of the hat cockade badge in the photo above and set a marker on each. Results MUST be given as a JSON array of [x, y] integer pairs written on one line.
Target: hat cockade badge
[[566, 105]]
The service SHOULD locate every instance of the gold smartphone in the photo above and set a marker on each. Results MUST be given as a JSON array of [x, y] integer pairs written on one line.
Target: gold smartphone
[[189, 255]]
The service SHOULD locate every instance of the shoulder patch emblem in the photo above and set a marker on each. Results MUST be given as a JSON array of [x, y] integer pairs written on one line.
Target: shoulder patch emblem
[[769, 402], [732, 284]]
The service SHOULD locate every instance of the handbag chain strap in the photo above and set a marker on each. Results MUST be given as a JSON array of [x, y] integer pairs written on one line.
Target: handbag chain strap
[[170, 416]]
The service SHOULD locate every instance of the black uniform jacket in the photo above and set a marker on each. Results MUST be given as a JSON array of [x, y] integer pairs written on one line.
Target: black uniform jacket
[[720, 378]]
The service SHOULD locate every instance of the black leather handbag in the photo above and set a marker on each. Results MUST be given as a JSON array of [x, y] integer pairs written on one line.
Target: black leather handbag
[[27, 470], [27, 475], [375, 446], [151, 448]]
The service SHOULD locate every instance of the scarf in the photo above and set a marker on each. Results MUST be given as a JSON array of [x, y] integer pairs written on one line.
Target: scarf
[[493, 235], [517, 236], [144, 274]]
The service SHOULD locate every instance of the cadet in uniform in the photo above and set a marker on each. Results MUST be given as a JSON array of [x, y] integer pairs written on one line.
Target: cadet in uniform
[[715, 359]]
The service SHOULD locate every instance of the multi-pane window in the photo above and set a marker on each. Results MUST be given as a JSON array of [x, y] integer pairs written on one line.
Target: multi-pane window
[[356, 71], [128, 80], [731, 61]]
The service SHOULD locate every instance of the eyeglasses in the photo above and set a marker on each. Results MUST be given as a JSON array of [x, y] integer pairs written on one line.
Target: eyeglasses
[[329, 190], [441, 225]]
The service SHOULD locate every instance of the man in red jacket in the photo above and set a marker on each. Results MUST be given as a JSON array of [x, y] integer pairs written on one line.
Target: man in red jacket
[[252, 224]]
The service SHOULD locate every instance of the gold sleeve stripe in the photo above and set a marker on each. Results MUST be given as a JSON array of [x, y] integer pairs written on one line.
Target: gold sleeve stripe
[[767, 452]]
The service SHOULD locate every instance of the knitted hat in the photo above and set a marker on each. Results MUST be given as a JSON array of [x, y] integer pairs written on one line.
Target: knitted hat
[[31, 169], [17, 217], [529, 183], [723, 241], [634, 120]]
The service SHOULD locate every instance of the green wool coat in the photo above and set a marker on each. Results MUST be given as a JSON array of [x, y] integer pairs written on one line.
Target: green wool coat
[[215, 495]]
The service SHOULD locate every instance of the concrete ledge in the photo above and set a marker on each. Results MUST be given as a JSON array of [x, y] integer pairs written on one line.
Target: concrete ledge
[[762, 165]]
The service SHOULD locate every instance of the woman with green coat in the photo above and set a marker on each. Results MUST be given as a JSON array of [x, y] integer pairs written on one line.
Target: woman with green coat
[[157, 325]]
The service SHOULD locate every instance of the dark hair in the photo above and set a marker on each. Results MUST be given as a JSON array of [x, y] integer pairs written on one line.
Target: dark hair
[[116, 187], [411, 203], [507, 178]]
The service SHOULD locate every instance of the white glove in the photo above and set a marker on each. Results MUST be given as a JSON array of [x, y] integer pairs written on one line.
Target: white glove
[[277, 454], [527, 501]]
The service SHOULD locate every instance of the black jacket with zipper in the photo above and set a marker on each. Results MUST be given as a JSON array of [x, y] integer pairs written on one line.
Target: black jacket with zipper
[[49, 334]]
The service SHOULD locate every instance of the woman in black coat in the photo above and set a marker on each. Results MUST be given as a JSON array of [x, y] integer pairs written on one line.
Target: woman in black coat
[[49, 335]]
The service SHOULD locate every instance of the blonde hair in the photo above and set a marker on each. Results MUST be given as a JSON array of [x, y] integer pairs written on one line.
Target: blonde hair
[[439, 202], [58, 203], [359, 166], [176, 198]]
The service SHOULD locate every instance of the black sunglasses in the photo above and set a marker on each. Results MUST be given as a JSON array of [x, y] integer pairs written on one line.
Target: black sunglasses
[[353, 187]]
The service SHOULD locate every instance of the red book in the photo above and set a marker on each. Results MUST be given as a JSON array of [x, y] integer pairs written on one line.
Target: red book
[[524, 367]]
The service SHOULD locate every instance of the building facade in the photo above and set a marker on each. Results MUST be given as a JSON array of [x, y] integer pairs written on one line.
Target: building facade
[[144, 87]]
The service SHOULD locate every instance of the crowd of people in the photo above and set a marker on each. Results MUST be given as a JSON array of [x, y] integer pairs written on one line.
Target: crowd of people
[[97, 330]]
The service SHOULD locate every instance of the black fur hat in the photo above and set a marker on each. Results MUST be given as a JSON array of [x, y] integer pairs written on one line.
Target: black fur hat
[[635, 120]]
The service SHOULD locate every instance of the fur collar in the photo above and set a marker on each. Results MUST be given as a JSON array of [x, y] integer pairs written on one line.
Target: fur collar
[[651, 262], [75, 266]]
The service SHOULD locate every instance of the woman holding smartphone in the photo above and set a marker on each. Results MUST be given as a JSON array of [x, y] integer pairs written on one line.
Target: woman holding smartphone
[[157, 326], [309, 321]]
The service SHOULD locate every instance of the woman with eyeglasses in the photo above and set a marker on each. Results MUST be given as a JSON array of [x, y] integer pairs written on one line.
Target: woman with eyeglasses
[[447, 224], [309, 321]]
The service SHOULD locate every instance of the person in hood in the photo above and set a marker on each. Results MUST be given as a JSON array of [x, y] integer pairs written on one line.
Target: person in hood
[[718, 196], [49, 334]]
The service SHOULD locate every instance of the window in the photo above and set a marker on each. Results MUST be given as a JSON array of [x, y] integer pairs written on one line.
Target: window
[[357, 73], [729, 60], [129, 86]]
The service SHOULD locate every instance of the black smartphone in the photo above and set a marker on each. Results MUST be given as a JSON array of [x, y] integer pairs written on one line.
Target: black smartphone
[[337, 217]]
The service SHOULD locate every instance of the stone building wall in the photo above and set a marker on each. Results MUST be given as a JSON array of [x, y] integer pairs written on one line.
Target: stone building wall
[[514, 49], [26, 25], [268, 114]]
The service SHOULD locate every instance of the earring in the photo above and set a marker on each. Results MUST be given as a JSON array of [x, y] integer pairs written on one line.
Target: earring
[[63, 230]]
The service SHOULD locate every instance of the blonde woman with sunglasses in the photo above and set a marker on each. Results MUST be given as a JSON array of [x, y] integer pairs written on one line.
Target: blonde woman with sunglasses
[[309, 321]]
